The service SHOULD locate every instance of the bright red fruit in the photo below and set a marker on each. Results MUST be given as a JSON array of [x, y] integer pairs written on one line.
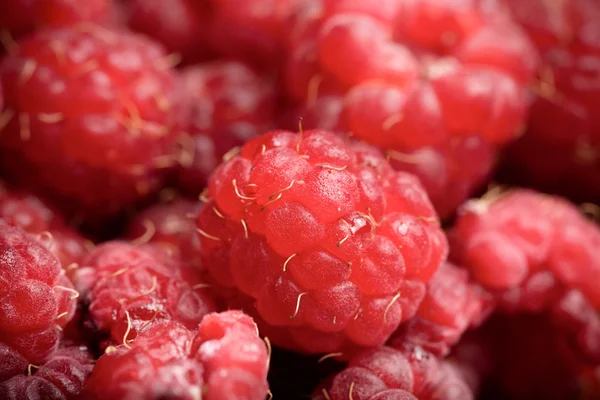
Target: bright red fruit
[[129, 288], [561, 150], [224, 360], [60, 378], [332, 243], [441, 84], [36, 299], [90, 115], [505, 238], [388, 374], [451, 305], [226, 104], [33, 215]]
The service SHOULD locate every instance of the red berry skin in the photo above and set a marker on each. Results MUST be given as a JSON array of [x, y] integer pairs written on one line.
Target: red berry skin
[[451, 305], [33, 215], [327, 238], [129, 288], [385, 373], [224, 359], [101, 123], [506, 239], [563, 131], [60, 378], [36, 299], [227, 103]]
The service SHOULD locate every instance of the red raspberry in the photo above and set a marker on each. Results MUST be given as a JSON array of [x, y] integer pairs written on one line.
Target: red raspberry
[[60, 378], [388, 374], [90, 115], [171, 225], [129, 288], [331, 242], [451, 305], [30, 213], [176, 24], [440, 80], [224, 360], [505, 239], [19, 17], [252, 30], [36, 299], [227, 104], [561, 149]]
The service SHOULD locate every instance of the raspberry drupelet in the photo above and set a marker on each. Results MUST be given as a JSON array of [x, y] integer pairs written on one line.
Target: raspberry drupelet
[[385, 373], [333, 245], [36, 299], [35, 216], [129, 288], [560, 151], [451, 305], [445, 80], [60, 378], [224, 359], [89, 115], [226, 104]]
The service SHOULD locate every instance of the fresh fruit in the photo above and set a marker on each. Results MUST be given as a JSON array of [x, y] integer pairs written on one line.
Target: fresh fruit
[[60, 378], [90, 117], [332, 243], [442, 85], [33, 215], [226, 105], [451, 305], [36, 299], [388, 374], [504, 238], [130, 288], [561, 150], [224, 359]]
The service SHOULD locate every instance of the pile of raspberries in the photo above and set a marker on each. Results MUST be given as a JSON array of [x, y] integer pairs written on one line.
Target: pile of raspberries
[[299, 199]]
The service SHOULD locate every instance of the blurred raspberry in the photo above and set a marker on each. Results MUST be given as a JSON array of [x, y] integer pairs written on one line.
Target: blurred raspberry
[[226, 104], [560, 152], [90, 116]]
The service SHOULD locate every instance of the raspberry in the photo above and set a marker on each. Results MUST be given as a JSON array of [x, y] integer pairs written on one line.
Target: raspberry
[[60, 378], [30, 213], [129, 288], [177, 25], [331, 242], [386, 373], [227, 104], [439, 80], [171, 225], [95, 127], [251, 30], [36, 299], [561, 150], [451, 305], [224, 359], [507, 238], [21, 17]]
